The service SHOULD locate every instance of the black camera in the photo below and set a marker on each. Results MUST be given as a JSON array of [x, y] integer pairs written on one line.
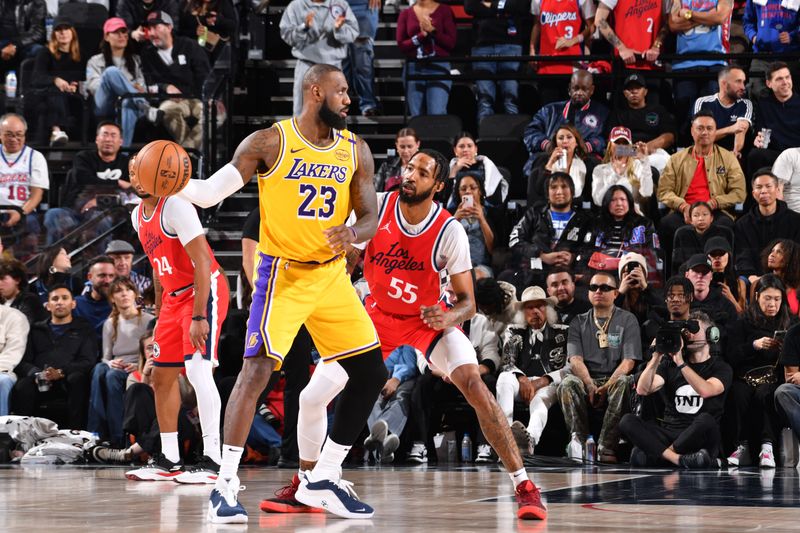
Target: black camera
[[668, 337]]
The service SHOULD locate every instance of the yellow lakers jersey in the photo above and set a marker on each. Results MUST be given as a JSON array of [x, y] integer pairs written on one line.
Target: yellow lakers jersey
[[306, 191]]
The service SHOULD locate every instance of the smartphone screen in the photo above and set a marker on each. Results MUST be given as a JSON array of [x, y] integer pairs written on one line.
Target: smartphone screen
[[625, 150], [779, 335]]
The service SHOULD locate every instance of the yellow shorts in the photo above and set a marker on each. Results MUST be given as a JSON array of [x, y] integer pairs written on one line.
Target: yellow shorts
[[288, 294]]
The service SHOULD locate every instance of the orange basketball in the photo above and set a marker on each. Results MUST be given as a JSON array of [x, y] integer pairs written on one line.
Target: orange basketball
[[162, 167]]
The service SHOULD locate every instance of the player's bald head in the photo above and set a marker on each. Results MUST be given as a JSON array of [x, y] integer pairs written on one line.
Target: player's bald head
[[318, 75]]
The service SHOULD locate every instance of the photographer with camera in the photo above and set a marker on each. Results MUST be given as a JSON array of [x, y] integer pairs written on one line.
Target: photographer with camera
[[754, 349], [603, 347], [695, 384], [98, 178]]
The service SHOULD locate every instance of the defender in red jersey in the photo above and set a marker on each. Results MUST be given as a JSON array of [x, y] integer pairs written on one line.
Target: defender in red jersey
[[191, 304]]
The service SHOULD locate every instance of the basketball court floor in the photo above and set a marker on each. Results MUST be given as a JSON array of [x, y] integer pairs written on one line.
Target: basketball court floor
[[418, 499]]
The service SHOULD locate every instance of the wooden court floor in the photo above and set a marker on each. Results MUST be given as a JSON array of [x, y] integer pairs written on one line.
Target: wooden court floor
[[420, 499]]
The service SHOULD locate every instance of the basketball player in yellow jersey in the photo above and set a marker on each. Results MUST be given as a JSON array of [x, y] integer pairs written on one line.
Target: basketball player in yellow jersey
[[311, 173]]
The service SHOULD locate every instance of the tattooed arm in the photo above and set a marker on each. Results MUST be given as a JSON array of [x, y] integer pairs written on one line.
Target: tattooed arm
[[601, 19]]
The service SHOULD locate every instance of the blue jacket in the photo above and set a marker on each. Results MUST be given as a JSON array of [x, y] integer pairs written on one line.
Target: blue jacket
[[590, 121], [402, 363], [765, 23]]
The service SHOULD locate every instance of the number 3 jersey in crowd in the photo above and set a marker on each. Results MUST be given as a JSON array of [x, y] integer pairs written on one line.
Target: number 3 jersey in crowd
[[406, 267], [164, 234], [19, 172]]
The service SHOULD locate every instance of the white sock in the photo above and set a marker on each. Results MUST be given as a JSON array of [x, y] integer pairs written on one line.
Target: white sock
[[169, 446], [520, 476], [200, 375], [766, 447], [330, 461], [231, 455]]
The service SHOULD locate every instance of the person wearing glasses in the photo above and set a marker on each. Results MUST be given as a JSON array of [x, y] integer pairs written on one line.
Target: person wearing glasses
[[603, 347]]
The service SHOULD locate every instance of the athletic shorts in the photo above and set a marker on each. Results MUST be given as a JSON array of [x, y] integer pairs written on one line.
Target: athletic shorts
[[288, 294], [172, 345]]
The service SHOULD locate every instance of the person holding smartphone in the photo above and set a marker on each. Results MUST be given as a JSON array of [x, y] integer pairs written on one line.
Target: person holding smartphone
[[624, 164], [734, 288], [471, 213], [635, 294]]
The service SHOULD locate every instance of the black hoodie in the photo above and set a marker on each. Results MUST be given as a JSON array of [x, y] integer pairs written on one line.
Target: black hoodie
[[754, 232]]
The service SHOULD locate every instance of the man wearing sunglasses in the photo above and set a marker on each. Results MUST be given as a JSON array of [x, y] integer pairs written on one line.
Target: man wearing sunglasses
[[603, 347]]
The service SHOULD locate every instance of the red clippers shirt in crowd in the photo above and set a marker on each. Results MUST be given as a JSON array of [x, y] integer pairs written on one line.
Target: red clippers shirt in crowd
[[560, 18], [636, 23], [172, 225]]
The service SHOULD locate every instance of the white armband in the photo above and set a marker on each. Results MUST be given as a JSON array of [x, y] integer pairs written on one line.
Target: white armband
[[205, 193]]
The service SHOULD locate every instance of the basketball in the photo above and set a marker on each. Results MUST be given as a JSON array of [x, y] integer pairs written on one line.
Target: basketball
[[163, 168]]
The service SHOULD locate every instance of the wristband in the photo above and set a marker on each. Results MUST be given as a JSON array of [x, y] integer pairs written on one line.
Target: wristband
[[198, 318], [682, 366], [355, 235]]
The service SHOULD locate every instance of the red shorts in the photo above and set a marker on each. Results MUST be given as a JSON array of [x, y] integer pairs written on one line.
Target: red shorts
[[397, 330], [172, 345]]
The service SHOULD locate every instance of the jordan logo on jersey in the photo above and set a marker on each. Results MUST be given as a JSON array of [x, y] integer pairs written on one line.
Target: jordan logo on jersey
[[554, 19], [396, 258], [386, 227], [303, 169]]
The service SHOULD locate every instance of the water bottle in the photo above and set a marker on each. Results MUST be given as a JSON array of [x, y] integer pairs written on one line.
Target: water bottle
[[590, 450], [466, 449], [11, 84], [575, 449], [451, 451], [202, 38], [789, 451]]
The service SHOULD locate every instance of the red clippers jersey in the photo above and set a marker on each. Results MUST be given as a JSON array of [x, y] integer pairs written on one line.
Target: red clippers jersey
[[636, 23], [167, 255], [558, 19], [400, 268]]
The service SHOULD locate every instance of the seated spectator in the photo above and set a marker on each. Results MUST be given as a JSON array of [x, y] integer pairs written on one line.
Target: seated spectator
[[624, 164], [121, 333], [14, 329], [14, 291], [176, 65], [547, 236], [390, 413], [58, 361], [692, 239], [719, 252], [467, 162], [603, 347], [732, 113], [769, 219], [769, 27], [649, 123], [559, 30], [211, 22], [24, 173], [472, 214], [427, 29], [695, 384], [698, 29], [620, 230], [778, 112], [53, 268], [121, 252], [24, 34], [98, 173], [787, 169], [135, 13], [753, 352], [496, 300], [636, 295], [56, 73], [587, 116], [532, 367], [389, 174], [782, 258], [787, 396], [115, 71], [704, 172], [318, 32], [93, 304], [565, 154], [560, 283], [707, 297]]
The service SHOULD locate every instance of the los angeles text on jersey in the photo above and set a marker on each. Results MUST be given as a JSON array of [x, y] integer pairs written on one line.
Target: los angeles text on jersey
[[150, 243], [306, 169], [396, 258]]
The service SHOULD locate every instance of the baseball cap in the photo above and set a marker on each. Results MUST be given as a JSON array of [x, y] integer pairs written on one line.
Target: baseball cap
[[621, 132], [159, 17], [535, 294], [636, 78], [698, 260], [717, 244], [62, 21], [632, 257], [119, 247], [113, 24]]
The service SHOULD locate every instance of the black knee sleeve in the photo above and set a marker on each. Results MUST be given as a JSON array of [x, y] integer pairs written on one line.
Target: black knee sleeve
[[367, 375]]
